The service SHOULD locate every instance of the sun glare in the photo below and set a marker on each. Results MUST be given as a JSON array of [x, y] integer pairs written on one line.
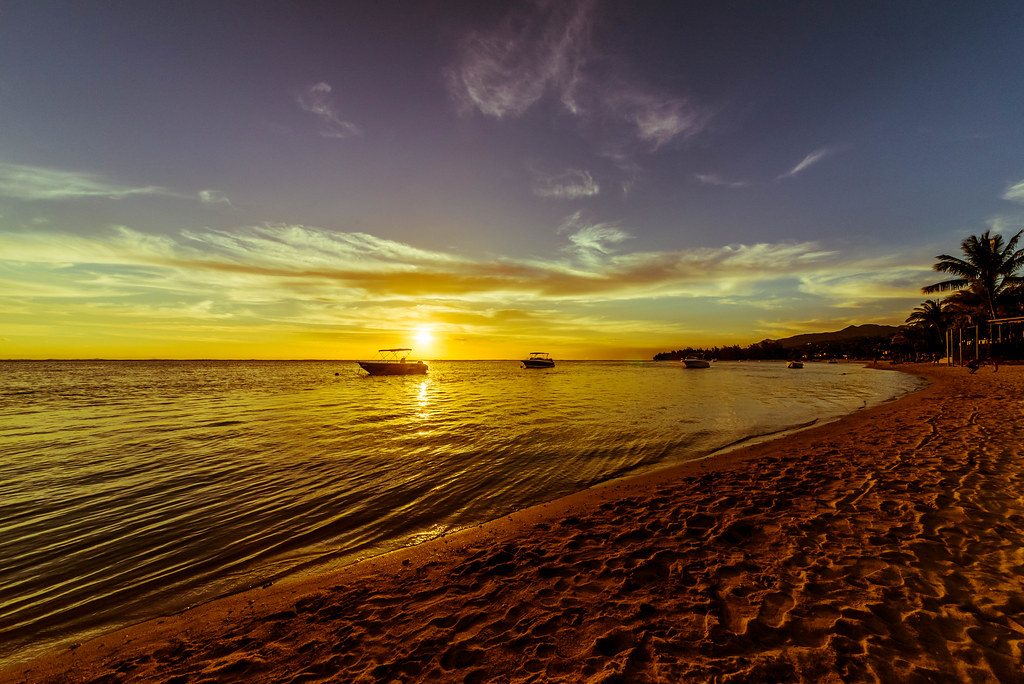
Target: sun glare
[[423, 336]]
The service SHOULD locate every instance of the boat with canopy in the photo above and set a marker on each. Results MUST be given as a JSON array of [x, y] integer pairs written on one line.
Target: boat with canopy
[[393, 362]]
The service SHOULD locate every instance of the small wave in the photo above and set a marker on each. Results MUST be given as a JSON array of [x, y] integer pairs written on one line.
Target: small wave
[[762, 437]]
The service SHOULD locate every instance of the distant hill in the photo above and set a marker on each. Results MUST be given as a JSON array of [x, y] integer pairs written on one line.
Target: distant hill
[[853, 332], [856, 341]]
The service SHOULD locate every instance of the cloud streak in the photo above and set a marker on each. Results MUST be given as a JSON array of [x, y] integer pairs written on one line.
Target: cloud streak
[[35, 183], [316, 99], [712, 179], [570, 184], [213, 197], [1015, 193], [807, 162]]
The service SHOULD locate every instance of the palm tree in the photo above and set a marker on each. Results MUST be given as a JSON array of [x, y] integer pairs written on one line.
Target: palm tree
[[988, 270], [929, 314], [931, 317]]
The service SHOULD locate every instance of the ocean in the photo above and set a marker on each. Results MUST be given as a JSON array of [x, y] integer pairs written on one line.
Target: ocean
[[133, 489]]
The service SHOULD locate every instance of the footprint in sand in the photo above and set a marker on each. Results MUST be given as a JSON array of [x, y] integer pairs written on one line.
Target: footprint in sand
[[774, 609], [811, 630]]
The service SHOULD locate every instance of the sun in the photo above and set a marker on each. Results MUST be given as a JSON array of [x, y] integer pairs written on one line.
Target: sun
[[423, 336]]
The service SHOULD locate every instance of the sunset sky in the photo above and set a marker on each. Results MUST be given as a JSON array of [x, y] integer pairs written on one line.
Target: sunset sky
[[595, 179]]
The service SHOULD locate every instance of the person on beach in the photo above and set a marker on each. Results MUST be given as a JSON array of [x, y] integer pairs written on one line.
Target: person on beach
[[972, 366], [994, 360]]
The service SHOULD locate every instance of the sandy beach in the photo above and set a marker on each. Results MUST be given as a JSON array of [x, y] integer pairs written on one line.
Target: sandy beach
[[888, 546]]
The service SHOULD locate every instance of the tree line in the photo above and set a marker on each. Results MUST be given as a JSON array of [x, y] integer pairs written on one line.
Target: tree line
[[985, 284], [771, 350]]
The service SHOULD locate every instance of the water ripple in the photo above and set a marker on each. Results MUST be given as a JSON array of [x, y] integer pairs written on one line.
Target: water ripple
[[133, 489]]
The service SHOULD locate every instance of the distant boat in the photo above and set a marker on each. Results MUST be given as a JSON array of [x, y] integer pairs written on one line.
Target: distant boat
[[795, 364], [694, 362], [539, 360], [393, 362]]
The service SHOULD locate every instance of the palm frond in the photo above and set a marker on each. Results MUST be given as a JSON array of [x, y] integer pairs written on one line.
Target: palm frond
[[946, 286]]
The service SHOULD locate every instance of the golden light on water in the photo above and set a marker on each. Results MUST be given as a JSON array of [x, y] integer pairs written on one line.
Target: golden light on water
[[421, 395], [423, 407]]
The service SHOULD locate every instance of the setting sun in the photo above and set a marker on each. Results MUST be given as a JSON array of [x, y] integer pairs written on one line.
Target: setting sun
[[423, 337]]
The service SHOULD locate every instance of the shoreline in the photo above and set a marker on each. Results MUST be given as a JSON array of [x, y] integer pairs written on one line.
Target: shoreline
[[789, 558]]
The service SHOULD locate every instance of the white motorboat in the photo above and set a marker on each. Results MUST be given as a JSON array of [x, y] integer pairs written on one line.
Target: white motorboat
[[694, 362], [539, 360], [393, 362], [795, 364]]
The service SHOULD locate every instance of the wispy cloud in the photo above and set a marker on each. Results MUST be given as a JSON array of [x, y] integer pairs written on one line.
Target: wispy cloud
[[591, 241], [598, 238], [37, 183], [807, 162], [316, 99], [1000, 225], [1015, 193], [569, 184], [504, 72], [213, 197], [712, 179], [548, 48], [657, 118], [859, 281]]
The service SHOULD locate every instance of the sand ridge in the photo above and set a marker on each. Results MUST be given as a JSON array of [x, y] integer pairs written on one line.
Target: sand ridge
[[888, 546]]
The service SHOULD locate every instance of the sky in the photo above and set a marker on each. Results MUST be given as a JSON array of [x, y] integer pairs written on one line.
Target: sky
[[478, 180]]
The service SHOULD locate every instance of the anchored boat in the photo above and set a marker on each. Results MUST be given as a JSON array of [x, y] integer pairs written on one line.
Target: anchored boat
[[539, 360], [393, 362]]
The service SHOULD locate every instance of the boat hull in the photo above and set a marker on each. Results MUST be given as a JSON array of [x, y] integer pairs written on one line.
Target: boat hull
[[393, 368], [538, 363], [697, 363]]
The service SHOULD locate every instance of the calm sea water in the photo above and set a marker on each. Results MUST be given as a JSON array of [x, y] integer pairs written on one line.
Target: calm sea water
[[134, 489]]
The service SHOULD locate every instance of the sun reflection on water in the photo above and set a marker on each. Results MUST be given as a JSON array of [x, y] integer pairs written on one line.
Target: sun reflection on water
[[423, 404]]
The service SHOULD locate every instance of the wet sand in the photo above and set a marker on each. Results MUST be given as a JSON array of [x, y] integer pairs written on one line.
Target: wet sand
[[888, 546]]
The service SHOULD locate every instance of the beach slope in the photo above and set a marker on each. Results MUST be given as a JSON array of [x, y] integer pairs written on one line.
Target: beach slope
[[886, 546]]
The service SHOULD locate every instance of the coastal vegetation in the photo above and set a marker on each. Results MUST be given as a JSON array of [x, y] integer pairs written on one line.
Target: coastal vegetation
[[986, 285], [985, 281], [842, 344]]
